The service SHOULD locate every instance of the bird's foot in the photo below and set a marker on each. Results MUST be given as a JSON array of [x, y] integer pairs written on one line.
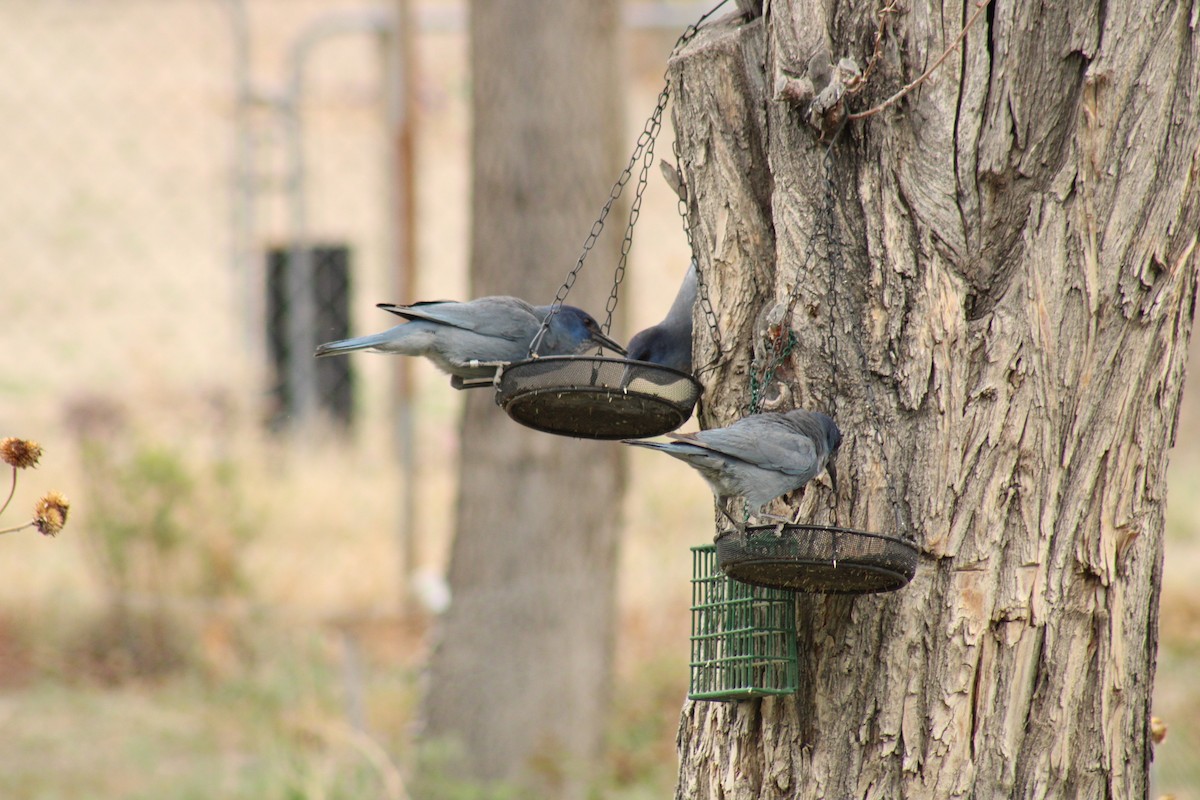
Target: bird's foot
[[781, 522], [458, 382], [740, 527]]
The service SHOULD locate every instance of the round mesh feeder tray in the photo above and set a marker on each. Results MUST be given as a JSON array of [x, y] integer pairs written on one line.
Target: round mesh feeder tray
[[817, 558], [592, 397]]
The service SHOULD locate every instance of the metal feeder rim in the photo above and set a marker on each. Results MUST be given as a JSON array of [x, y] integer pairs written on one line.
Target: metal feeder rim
[[606, 359], [459, 382], [746, 566], [559, 430], [737, 695], [596, 390], [541, 393], [807, 526]]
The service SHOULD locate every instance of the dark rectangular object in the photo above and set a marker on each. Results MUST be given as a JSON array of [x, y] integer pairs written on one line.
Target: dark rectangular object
[[331, 302]]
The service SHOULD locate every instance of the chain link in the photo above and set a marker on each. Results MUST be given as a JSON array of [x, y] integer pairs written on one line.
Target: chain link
[[644, 151]]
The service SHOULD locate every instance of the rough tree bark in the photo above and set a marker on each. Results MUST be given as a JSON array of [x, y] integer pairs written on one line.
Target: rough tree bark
[[1019, 256], [521, 671]]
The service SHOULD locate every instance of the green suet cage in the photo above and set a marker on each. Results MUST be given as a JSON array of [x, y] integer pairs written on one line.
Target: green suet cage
[[743, 637]]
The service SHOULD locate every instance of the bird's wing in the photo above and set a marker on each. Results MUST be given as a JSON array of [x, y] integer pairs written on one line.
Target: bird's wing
[[503, 317], [708, 461], [413, 311], [764, 442], [439, 311]]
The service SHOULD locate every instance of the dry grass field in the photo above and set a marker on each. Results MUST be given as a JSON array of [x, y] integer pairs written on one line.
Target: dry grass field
[[226, 613]]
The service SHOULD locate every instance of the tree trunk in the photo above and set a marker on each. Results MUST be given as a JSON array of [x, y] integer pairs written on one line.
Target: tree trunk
[[1018, 256], [520, 676]]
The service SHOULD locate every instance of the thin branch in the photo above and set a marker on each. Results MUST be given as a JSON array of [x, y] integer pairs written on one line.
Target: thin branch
[[17, 528], [953, 46], [877, 48], [11, 491]]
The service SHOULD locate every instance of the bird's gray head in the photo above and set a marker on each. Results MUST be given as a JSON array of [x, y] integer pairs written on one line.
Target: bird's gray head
[[669, 343], [833, 438], [575, 330], [645, 345], [822, 428]]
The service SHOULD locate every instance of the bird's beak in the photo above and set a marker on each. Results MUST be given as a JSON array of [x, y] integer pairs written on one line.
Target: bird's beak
[[831, 468], [605, 341]]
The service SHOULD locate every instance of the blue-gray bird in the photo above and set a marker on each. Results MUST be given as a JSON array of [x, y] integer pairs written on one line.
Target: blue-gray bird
[[759, 457], [669, 343], [464, 338]]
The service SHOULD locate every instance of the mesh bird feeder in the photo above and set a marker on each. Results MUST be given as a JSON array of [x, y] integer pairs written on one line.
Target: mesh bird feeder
[[595, 397], [820, 558], [817, 558], [743, 637]]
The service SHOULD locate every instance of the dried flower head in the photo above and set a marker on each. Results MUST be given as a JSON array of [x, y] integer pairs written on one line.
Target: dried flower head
[[20, 453], [50, 514], [1158, 730]]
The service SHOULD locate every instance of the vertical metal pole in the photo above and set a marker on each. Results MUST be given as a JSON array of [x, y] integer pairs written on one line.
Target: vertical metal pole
[[302, 305], [247, 290], [401, 125], [301, 369]]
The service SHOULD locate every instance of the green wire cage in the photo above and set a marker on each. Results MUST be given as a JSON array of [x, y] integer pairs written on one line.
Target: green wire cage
[[743, 637]]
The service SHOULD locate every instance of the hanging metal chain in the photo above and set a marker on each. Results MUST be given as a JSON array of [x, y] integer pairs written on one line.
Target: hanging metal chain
[[761, 380], [710, 316], [643, 151], [835, 290], [645, 142], [780, 343], [834, 259], [684, 194]]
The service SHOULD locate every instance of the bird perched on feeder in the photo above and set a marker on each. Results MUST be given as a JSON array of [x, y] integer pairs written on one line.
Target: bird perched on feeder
[[468, 340], [669, 343], [759, 457]]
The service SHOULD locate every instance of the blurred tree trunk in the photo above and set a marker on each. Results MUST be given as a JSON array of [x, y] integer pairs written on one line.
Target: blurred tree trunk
[[521, 672], [1018, 247]]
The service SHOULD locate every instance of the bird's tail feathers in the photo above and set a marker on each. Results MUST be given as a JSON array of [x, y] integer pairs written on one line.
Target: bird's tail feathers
[[677, 448], [373, 342], [646, 443]]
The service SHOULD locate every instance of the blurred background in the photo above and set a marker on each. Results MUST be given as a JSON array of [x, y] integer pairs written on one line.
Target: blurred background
[[235, 610]]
